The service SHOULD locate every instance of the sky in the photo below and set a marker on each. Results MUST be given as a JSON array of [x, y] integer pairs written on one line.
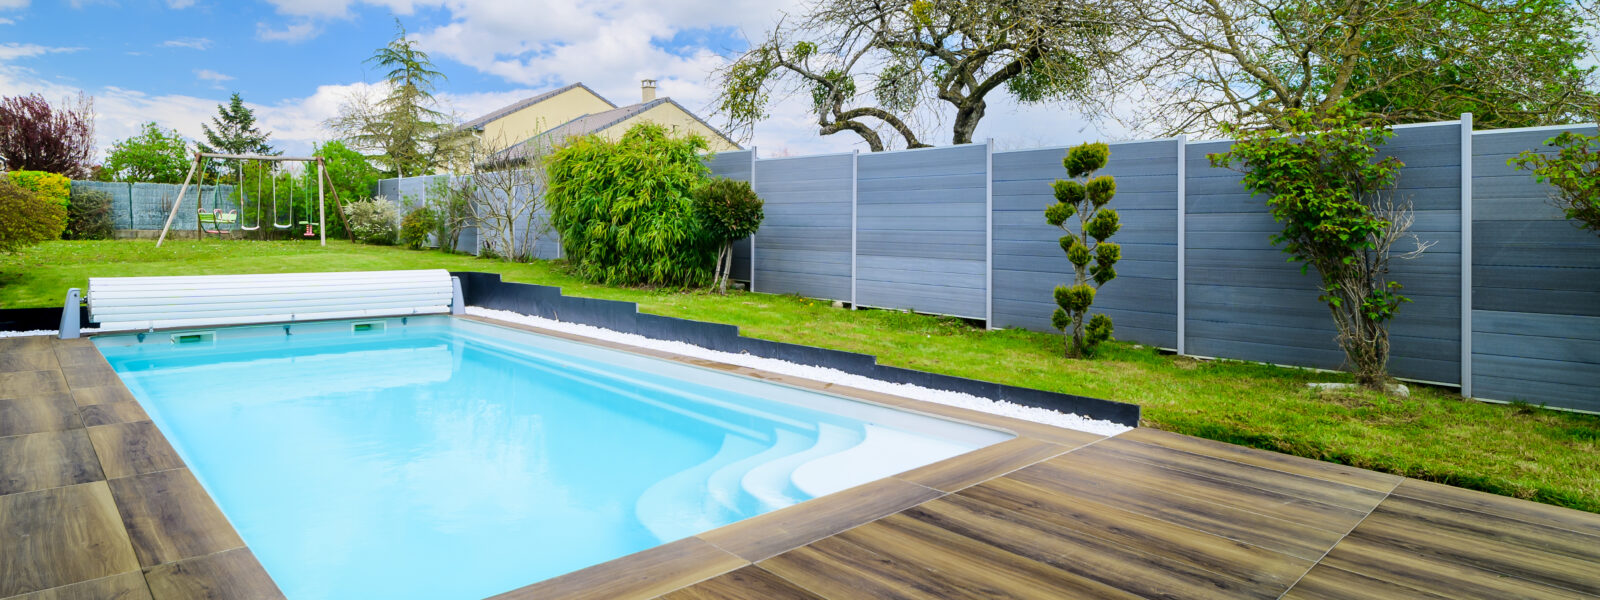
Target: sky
[[295, 61]]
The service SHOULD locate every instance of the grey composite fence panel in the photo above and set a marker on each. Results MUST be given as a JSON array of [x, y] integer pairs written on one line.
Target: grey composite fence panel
[[1245, 301], [121, 199], [1535, 284], [804, 243], [1029, 263], [736, 165], [921, 239]]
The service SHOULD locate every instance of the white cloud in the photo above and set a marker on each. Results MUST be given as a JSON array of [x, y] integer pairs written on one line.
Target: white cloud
[[180, 4], [5, 21], [13, 50], [210, 75], [197, 43], [13, 4], [292, 33]]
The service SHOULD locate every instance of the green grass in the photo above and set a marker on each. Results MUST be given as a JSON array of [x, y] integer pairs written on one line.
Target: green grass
[[1520, 451]]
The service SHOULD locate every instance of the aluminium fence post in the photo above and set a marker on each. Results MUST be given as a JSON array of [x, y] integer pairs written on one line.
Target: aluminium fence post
[[758, 229], [855, 158], [1466, 255], [988, 234], [1183, 242]]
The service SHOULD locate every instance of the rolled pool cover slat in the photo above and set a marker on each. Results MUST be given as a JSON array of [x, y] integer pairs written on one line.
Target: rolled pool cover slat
[[184, 301]]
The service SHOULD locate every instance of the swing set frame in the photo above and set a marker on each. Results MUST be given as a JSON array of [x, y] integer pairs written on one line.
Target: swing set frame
[[324, 183]]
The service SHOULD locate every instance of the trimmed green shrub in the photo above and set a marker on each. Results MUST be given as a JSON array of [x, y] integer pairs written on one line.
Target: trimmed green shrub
[[1337, 204], [373, 221], [1084, 196], [89, 216], [417, 226], [26, 219], [729, 211], [624, 208], [49, 186], [1574, 173]]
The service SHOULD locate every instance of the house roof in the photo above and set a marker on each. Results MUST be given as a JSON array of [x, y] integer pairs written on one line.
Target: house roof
[[479, 122], [593, 123]]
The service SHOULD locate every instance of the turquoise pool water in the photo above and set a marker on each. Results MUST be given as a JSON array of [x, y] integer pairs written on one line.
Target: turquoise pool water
[[434, 457]]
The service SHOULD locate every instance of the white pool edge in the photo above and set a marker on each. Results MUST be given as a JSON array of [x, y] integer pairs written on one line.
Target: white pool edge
[[820, 374]]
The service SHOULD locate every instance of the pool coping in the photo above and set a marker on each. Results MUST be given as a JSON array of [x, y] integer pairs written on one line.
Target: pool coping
[[655, 570]]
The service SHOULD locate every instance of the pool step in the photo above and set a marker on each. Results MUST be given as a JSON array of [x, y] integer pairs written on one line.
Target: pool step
[[724, 486], [881, 453], [680, 506], [770, 483]]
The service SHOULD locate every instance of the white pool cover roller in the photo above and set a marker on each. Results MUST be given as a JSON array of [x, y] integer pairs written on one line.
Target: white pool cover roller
[[160, 302]]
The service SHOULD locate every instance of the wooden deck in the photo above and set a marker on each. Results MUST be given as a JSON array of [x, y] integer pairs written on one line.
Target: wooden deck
[[95, 504]]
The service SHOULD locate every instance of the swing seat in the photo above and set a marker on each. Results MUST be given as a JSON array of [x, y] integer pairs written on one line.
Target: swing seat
[[215, 220], [310, 226]]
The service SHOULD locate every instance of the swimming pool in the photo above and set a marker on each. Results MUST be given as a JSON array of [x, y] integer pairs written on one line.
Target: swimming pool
[[437, 457]]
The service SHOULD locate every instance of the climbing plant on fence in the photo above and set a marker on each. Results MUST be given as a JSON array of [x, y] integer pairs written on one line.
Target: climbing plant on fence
[[624, 208], [1574, 172], [1336, 202], [1093, 258]]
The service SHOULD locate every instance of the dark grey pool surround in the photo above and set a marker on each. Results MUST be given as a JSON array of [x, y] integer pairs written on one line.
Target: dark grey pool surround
[[487, 290]]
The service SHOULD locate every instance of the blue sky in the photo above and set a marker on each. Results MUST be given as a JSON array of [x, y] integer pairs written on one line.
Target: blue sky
[[172, 61]]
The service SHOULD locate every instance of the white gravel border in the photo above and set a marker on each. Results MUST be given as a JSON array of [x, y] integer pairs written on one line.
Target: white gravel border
[[825, 375]]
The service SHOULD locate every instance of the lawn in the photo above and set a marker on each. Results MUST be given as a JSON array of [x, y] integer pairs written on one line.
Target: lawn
[[1521, 451]]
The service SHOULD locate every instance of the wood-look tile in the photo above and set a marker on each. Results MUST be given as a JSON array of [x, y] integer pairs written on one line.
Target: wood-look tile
[[644, 574], [112, 413], [28, 343], [1151, 499], [124, 586], [840, 570], [1493, 529], [982, 464], [38, 461], [170, 517], [1503, 506], [1348, 475], [90, 376], [102, 395], [221, 576], [60, 536], [749, 583], [128, 449], [49, 412], [1427, 538], [981, 568], [80, 356], [766, 535], [1087, 556], [1212, 488], [1250, 564], [1332, 583], [1400, 565], [36, 360], [1358, 499], [26, 384]]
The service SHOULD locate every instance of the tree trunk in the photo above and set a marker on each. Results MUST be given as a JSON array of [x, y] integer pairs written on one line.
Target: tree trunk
[[967, 121], [726, 264]]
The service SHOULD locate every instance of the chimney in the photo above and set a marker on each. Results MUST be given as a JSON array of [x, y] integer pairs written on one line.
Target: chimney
[[647, 89]]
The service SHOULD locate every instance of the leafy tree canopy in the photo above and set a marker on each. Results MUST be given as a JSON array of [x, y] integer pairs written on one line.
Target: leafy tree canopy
[[154, 155], [38, 136], [876, 67]]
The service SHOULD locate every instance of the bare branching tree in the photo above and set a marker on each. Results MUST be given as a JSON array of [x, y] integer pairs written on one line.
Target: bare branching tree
[[1247, 62], [873, 68], [506, 197]]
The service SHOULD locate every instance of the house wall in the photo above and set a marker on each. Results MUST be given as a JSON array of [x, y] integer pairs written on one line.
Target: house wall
[[539, 118], [677, 121]]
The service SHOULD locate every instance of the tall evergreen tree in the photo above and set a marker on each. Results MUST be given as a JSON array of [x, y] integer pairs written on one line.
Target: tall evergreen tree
[[406, 127], [233, 131]]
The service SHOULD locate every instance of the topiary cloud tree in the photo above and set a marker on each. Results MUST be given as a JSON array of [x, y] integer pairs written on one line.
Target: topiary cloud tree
[[729, 210], [1084, 195]]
